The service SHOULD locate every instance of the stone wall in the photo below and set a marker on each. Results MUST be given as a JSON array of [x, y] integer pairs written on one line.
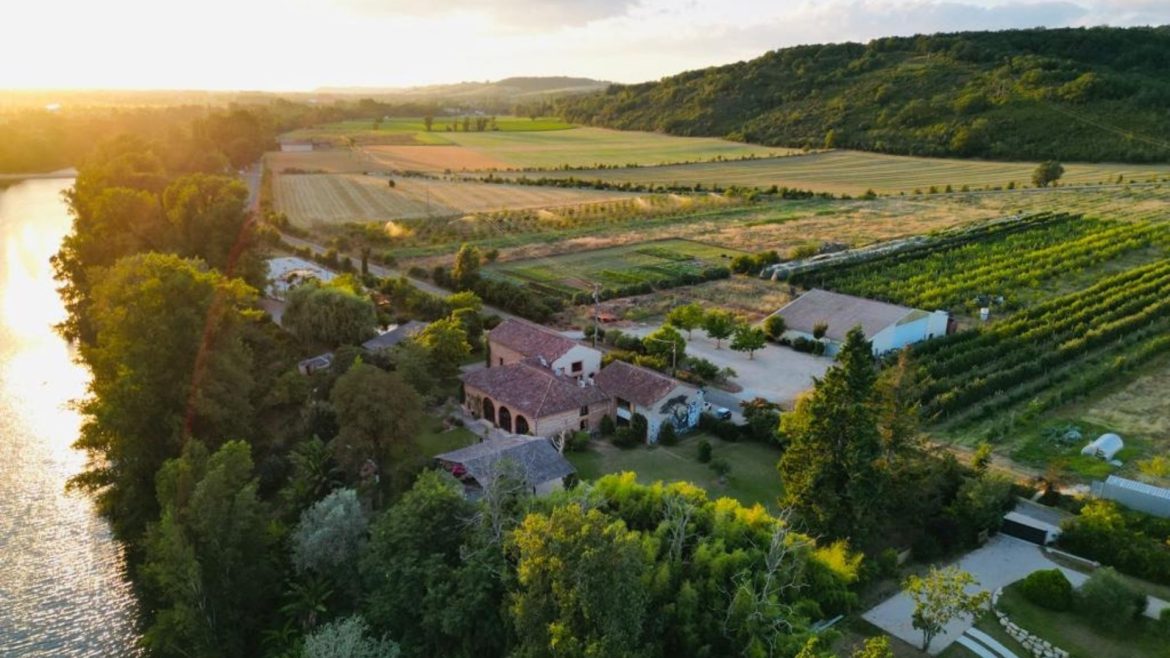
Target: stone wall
[[1039, 647]]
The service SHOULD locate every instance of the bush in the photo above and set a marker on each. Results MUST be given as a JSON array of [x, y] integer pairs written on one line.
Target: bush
[[1048, 588], [1107, 601], [667, 435], [727, 430], [607, 426], [887, 562], [624, 437], [704, 451], [774, 326], [640, 427], [721, 467], [579, 441]]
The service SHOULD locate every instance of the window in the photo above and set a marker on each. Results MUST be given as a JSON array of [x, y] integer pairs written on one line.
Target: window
[[501, 360], [578, 366], [584, 426], [623, 404], [585, 410]]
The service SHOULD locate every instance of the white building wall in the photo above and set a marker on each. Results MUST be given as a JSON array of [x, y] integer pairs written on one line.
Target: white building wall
[[655, 416], [296, 148], [590, 362]]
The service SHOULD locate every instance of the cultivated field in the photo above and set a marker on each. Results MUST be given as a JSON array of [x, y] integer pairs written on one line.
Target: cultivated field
[[397, 130], [854, 172], [615, 267], [587, 147], [435, 158], [314, 199]]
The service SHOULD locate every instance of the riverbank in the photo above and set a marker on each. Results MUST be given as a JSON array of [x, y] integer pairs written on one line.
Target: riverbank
[[60, 173]]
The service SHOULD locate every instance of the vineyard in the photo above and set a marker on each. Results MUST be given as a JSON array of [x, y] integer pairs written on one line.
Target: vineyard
[[964, 272], [1052, 353], [505, 227]]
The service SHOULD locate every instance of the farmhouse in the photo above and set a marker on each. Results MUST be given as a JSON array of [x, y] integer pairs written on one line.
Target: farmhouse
[[661, 399], [528, 397], [541, 382], [888, 326], [533, 459], [513, 341]]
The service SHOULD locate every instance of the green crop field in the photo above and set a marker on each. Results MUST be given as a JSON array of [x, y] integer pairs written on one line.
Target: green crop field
[[644, 262], [854, 172], [412, 130]]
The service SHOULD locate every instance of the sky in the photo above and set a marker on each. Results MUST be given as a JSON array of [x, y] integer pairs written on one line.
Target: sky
[[300, 45]]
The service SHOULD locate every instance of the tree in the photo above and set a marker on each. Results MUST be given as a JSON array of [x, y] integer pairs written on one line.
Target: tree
[[330, 315], [209, 216], [446, 342], [667, 343], [941, 597], [898, 410], [775, 326], [428, 122], [579, 584], [348, 638], [666, 434], [412, 362], [413, 549], [464, 300], [719, 324], [820, 329], [465, 272], [687, 316], [206, 569], [168, 362], [748, 339], [1047, 172], [329, 538], [982, 458], [875, 647], [376, 411], [829, 470]]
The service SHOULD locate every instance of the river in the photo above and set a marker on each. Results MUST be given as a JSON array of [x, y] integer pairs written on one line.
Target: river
[[63, 588]]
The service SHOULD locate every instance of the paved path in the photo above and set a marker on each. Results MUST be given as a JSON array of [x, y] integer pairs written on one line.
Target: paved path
[[1000, 562]]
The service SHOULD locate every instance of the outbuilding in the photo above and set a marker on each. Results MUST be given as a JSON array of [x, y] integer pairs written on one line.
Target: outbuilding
[[887, 326], [1104, 447], [532, 459]]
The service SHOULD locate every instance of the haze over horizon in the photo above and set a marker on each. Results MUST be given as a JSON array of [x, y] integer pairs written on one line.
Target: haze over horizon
[[300, 45]]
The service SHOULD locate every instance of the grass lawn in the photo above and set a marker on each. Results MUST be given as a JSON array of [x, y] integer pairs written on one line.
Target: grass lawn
[[433, 439], [1071, 632], [753, 478]]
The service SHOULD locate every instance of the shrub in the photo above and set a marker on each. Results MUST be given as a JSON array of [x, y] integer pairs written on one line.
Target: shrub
[[639, 427], [704, 451], [1048, 588], [624, 437], [607, 426], [727, 430], [667, 435], [887, 562], [721, 467], [774, 326], [579, 441], [1108, 601]]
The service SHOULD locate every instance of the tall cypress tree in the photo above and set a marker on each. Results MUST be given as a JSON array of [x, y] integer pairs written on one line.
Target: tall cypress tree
[[830, 470]]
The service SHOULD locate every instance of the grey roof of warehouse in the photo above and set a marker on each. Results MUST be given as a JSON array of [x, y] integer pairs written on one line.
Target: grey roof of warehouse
[[535, 456], [841, 313]]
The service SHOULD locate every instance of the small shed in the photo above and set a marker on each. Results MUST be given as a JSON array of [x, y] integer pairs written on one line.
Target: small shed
[[1135, 495], [534, 459], [313, 364], [1105, 446]]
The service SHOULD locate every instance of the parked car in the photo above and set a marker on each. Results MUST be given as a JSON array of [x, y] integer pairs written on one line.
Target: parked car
[[723, 413]]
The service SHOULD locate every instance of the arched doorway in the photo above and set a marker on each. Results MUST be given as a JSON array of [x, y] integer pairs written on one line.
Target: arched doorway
[[505, 420], [522, 425], [489, 410]]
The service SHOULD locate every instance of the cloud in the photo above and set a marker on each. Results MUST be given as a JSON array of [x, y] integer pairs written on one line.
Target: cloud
[[525, 14]]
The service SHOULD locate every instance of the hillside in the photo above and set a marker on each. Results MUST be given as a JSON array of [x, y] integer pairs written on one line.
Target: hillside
[[1098, 94], [513, 89]]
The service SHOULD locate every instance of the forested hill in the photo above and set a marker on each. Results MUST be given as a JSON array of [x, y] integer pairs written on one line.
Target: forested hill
[[1069, 94]]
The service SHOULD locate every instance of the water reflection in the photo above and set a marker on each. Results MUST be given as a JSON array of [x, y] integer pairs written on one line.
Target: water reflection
[[63, 591]]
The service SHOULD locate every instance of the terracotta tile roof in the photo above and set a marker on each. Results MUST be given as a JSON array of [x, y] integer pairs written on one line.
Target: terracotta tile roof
[[531, 339], [532, 390], [639, 385], [841, 313], [536, 457]]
